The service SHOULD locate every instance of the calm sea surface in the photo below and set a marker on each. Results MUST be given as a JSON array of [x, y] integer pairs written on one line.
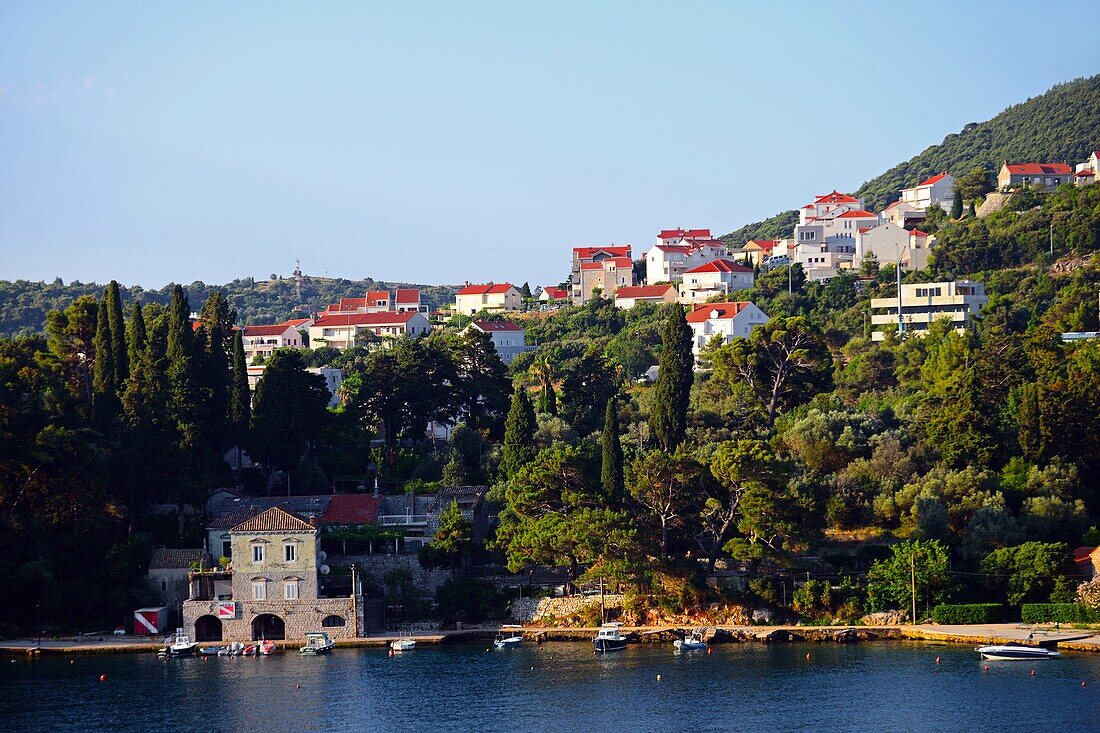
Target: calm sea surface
[[881, 686]]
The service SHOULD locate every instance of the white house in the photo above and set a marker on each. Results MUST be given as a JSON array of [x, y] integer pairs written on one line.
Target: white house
[[343, 331], [1048, 176], [631, 295], [958, 301], [551, 294], [728, 320], [718, 277], [262, 340], [888, 243], [902, 214], [408, 300], [679, 250], [507, 337], [1085, 173], [937, 190], [831, 223], [473, 299]]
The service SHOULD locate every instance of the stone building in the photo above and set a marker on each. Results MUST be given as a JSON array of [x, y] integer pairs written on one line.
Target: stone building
[[271, 588], [168, 569]]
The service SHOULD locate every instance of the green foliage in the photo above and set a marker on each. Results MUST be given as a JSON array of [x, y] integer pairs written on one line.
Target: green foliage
[[668, 419], [611, 455], [1066, 613], [519, 435], [1025, 573], [969, 613], [923, 564], [289, 408], [469, 601]]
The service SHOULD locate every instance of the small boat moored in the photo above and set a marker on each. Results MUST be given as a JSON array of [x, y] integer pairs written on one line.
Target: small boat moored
[[317, 642], [180, 646], [232, 649], [609, 638], [1015, 652], [510, 635], [402, 645], [692, 641]]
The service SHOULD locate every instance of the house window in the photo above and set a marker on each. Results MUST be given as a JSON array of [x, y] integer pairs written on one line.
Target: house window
[[257, 553], [259, 590], [227, 548], [163, 585], [290, 552], [290, 590]]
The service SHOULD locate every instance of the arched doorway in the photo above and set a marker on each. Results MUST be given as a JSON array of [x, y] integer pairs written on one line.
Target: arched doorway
[[268, 626], [208, 628]]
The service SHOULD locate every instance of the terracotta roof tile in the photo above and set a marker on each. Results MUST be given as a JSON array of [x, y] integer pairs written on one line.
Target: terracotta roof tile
[[643, 291], [352, 509], [167, 558], [275, 519], [706, 311]]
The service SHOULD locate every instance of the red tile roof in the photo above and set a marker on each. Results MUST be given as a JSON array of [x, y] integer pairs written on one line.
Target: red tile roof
[[373, 295], [721, 266], [918, 233], [296, 322], [348, 304], [1083, 173], [643, 291], [1081, 554], [408, 295], [836, 197], [556, 293], [864, 230], [890, 206], [622, 261], [165, 558], [277, 330], [858, 215], [386, 318], [489, 289], [498, 326], [704, 312], [275, 519], [1038, 169], [351, 509], [765, 244], [684, 234], [934, 179], [587, 253]]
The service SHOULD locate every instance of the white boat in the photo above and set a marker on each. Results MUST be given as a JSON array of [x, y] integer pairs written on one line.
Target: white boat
[[510, 635], [180, 646], [1015, 652], [402, 645], [609, 638], [233, 649], [692, 641], [317, 642]]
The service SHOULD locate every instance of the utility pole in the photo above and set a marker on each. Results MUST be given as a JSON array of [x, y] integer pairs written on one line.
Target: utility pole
[[913, 582], [1052, 240]]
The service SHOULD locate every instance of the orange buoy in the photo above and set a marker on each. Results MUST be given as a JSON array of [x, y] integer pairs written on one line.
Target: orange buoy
[[710, 650], [937, 660], [1033, 673], [986, 670], [102, 678], [807, 656], [391, 653]]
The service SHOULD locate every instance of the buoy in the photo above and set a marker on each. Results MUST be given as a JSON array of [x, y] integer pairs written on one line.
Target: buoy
[[391, 652], [298, 686], [72, 661], [807, 656], [1033, 673], [658, 678], [937, 660], [710, 650], [102, 678], [986, 670], [1083, 683]]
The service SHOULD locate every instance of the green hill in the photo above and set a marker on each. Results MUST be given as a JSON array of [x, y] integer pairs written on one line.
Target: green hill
[[24, 304], [1062, 125]]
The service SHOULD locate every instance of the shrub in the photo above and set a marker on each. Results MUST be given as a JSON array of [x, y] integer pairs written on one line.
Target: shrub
[[1037, 613], [968, 613]]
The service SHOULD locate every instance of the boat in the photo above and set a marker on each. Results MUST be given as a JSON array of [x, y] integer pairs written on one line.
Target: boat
[[249, 651], [211, 651], [402, 645], [317, 642], [609, 638], [510, 635], [1015, 652], [232, 649], [691, 642], [266, 648], [180, 646]]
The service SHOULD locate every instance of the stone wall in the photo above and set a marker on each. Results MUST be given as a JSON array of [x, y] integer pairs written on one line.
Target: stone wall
[[376, 566], [298, 617], [534, 610]]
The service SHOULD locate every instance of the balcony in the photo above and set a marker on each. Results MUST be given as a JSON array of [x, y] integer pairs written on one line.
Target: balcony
[[403, 520], [210, 585]]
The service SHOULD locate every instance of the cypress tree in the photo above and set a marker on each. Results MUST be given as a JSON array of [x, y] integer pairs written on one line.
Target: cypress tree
[[240, 399], [181, 370], [119, 355], [668, 419], [104, 395], [548, 400], [611, 448], [519, 435], [957, 204], [135, 335], [972, 212]]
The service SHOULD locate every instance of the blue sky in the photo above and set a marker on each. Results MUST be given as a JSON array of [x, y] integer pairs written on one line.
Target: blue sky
[[443, 142]]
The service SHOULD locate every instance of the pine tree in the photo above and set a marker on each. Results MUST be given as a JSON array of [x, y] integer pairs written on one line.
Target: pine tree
[[668, 419], [119, 355], [957, 204], [519, 435], [972, 212], [104, 390], [135, 335], [611, 448]]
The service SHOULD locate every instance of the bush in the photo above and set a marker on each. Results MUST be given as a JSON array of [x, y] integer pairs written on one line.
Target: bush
[[968, 613], [469, 601], [1079, 613]]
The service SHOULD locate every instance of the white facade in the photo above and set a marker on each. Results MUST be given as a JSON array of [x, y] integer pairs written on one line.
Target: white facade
[[958, 301], [720, 277], [668, 262], [831, 223], [473, 299], [347, 330], [628, 297], [728, 320], [508, 338], [937, 190], [262, 340], [902, 214]]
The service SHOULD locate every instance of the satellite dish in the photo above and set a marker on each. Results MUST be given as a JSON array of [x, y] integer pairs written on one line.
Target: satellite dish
[[322, 555], [324, 569]]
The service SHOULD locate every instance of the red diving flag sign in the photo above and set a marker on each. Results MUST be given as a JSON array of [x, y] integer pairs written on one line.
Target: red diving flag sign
[[227, 609]]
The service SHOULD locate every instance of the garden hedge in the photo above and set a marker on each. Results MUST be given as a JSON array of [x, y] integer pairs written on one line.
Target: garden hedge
[[1066, 613], [968, 613]]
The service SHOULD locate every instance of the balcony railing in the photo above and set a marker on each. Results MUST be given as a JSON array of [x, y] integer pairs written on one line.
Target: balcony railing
[[402, 520]]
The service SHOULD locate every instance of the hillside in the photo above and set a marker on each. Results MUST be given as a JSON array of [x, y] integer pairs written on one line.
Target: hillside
[[24, 304], [1062, 125]]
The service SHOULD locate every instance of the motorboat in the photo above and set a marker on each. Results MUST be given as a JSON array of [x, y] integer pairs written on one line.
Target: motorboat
[[510, 635], [402, 645], [317, 642], [691, 641], [211, 651], [609, 638], [1015, 652], [233, 649], [180, 646], [266, 648]]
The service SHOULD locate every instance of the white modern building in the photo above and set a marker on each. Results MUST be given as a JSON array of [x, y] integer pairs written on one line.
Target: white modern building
[[628, 297], [958, 301], [728, 320], [717, 277], [830, 225], [508, 338], [937, 190], [473, 299], [679, 250], [343, 331], [260, 341]]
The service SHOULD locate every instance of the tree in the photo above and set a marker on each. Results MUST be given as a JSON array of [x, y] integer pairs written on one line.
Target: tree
[[923, 565], [135, 335], [104, 395], [519, 435], [587, 384], [454, 536], [70, 335], [543, 373], [182, 373], [481, 381], [783, 363], [974, 184], [666, 485], [668, 418], [119, 354], [289, 409], [240, 399], [957, 204], [1026, 573], [611, 454]]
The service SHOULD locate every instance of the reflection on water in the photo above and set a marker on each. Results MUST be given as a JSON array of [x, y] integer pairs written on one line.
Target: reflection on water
[[884, 686]]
